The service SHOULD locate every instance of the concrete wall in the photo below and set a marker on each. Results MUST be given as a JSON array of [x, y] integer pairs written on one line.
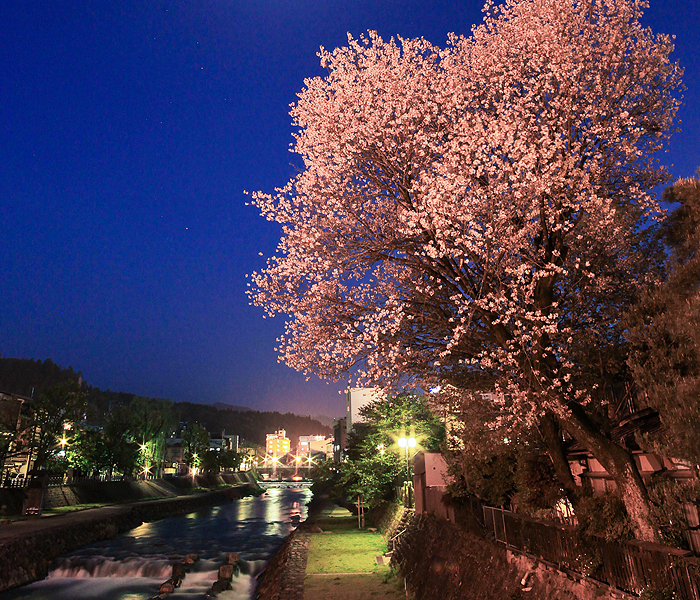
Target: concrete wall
[[114, 492]]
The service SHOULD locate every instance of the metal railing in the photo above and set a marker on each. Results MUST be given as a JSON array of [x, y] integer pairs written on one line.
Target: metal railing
[[627, 566], [58, 480], [394, 539]]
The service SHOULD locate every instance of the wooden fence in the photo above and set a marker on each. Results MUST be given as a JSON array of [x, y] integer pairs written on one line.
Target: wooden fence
[[630, 567]]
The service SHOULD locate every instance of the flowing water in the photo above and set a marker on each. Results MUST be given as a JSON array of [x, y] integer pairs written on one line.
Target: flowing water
[[133, 565]]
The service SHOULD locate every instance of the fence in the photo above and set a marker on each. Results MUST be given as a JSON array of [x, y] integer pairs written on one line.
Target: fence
[[630, 567], [56, 480]]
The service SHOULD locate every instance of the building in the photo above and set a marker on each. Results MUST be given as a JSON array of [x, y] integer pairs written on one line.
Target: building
[[430, 481], [340, 439], [355, 399], [277, 444], [311, 444], [228, 443], [588, 472], [14, 435], [173, 459]]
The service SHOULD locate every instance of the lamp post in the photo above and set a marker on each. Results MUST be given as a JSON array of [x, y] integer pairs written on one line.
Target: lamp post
[[407, 443]]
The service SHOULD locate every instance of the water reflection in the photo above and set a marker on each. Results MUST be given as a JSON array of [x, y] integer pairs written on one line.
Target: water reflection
[[133, 565]]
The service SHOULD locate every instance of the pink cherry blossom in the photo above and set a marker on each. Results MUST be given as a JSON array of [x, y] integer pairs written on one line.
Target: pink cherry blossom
[[473, 208]]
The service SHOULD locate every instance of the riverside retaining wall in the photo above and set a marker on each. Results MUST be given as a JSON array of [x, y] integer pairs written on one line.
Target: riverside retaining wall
[[441, 560], [26, 558]]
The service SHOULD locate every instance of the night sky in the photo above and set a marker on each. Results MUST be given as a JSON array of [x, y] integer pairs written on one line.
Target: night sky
[[130, 131]]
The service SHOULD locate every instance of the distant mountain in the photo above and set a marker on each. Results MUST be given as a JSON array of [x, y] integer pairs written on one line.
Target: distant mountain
[[30, 378], [227, 406], [325, 420]]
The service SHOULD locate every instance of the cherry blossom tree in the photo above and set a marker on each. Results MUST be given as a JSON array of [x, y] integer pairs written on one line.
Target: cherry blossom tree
[[473, 211]]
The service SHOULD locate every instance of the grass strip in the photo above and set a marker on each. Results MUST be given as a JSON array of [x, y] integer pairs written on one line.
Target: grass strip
[[342, 565]]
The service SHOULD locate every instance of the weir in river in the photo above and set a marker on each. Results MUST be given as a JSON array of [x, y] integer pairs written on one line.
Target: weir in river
[[133, 565]]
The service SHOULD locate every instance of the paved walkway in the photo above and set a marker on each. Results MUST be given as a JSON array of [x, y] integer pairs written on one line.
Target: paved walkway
[[47, 522]]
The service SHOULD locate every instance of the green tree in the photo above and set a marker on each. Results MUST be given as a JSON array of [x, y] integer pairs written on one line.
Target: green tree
[[211, 461], [195, 444], [664, 330], [50, 411], [152, 421], [87, 451], [121, 448], [376, 462], [10, 410], [230, 460]]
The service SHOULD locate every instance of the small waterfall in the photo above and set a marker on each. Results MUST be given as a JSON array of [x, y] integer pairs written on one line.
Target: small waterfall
[[82, 567]]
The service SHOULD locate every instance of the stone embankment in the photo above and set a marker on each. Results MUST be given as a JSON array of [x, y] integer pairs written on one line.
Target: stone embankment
[[442, 560], [28, 547], [283, 577]]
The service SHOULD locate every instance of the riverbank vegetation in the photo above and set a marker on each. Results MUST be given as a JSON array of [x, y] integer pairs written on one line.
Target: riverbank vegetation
[[342, 564]]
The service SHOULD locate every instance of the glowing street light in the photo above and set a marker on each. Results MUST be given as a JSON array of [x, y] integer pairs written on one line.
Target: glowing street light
[[407, 443]]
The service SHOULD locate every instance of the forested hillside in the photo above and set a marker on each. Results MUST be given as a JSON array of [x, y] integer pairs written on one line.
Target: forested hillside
[[27, 377], [31, 378]]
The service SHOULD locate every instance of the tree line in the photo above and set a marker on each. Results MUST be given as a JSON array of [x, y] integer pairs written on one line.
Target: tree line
[[66, 423]]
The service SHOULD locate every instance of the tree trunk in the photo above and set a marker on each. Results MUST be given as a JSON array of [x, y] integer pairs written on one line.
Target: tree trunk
[[621, 467], [549, 429]]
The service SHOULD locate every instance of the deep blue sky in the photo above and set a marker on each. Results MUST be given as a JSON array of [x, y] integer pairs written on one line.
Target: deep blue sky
[[130, 130]]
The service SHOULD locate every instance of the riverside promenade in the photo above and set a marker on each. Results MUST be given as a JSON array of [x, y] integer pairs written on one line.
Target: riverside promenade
[[329, 557]]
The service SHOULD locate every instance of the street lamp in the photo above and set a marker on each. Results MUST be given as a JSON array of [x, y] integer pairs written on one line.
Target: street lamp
[[407, 443]]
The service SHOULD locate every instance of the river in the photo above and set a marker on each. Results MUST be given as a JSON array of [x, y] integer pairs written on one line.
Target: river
[[133, 565]]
